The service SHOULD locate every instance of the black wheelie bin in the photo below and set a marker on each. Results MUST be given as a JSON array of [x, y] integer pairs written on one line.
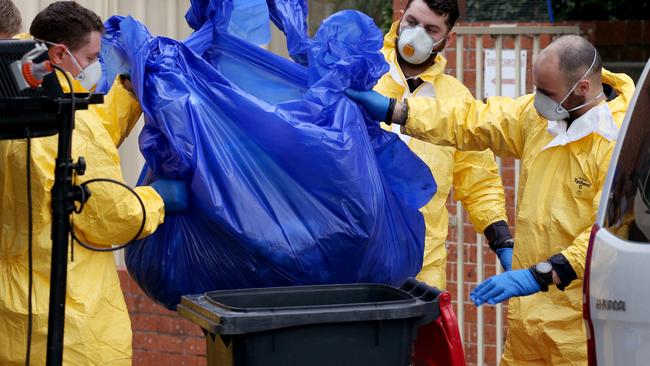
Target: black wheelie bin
[[339, 325]]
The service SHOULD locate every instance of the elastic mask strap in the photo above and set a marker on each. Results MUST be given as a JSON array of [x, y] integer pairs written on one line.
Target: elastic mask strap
[[576, 84], [66, 50], [437, 43], [587, 103]]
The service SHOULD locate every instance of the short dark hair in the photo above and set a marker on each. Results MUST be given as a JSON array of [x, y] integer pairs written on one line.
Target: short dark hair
[[575, 55], [442, 8], [66, 22], [11, 23]]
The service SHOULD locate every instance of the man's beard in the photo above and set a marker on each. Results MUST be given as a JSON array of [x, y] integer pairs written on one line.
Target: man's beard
[[574, 100]]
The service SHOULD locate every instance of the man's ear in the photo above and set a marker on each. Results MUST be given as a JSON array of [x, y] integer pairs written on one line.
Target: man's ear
[[584, 86], [56, 54], [451, 37], [401, 13]]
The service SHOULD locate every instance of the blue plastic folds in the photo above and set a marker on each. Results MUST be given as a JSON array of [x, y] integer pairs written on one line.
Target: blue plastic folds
[[290, 16], [291, 183]]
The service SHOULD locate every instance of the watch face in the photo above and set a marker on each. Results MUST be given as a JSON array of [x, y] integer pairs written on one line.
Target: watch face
[[543, 267]]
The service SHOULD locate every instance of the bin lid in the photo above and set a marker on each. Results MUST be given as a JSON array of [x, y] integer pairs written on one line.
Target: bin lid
[[231, 312]]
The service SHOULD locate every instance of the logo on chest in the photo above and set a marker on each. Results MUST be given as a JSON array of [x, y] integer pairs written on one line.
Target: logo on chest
[[582, 184]]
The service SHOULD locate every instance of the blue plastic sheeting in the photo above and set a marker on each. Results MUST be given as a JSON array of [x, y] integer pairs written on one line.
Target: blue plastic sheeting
[[291, 183], [290, 16], [246, 19]]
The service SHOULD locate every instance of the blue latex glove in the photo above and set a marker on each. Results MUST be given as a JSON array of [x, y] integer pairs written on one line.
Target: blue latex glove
[[173, 193], [504, 286], [505, 257], [374, 103]]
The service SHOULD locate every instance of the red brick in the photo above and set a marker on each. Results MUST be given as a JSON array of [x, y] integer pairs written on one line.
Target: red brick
[[610, 33], [634, 32], [145, 322], [131, 302], [184, 360], [194, 345], [633, 53], [490, 354], [610, 53], [171, 343], [470, 234], [146, 341], [147, 358], [125, 281]]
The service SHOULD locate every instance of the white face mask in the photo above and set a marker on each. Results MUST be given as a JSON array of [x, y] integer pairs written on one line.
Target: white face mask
[[90, 75], [554, 111], [415, 45]]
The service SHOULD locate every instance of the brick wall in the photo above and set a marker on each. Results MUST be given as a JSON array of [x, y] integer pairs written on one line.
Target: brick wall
[[621, 40], [160, 336]]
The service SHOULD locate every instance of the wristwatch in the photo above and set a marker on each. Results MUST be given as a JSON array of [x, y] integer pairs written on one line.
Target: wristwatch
[[543, 273]]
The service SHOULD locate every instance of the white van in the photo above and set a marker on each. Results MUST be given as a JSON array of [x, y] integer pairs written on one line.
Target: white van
[[617, 275]]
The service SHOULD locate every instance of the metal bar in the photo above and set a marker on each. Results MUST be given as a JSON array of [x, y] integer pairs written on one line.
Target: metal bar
[[518, 66], [460, 273], [172, 19], [480, 340], [536, 46], [498, 48], [460, 48], [141, 11], [499, 307], [479, 67], [516, 30]]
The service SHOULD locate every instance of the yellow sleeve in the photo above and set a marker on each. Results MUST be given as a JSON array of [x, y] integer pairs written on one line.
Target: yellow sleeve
[[576, 253], [119, 112], [112, 214], [477, 184], [469, 124]]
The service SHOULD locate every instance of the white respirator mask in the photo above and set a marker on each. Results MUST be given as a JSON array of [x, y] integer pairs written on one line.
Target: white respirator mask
[[90, 75], [415, 45]]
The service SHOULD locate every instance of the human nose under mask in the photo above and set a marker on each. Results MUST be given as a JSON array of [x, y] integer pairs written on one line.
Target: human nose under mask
[[415, 45], [89, 75]]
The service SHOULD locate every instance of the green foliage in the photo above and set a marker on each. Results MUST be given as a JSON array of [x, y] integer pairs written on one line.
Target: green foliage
[[537, 10], [380, 10], [512, 10], [601, 9]]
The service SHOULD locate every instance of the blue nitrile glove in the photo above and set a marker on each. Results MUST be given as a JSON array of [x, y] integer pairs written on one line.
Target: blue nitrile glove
[[173, 193], [505, 257], [501, 287], [374, 103]]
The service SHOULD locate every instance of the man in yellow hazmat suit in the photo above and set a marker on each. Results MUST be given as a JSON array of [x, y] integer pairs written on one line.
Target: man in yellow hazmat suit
[[97, 326], [474, 174], [564, 135]]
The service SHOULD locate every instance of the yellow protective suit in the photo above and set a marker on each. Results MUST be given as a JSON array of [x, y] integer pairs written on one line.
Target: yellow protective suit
[[97, 326], [559, 193], [475, 175]]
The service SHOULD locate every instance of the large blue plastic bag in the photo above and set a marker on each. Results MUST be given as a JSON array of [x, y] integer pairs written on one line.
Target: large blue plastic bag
[[290, 16], [297, 187], [246, 19]]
